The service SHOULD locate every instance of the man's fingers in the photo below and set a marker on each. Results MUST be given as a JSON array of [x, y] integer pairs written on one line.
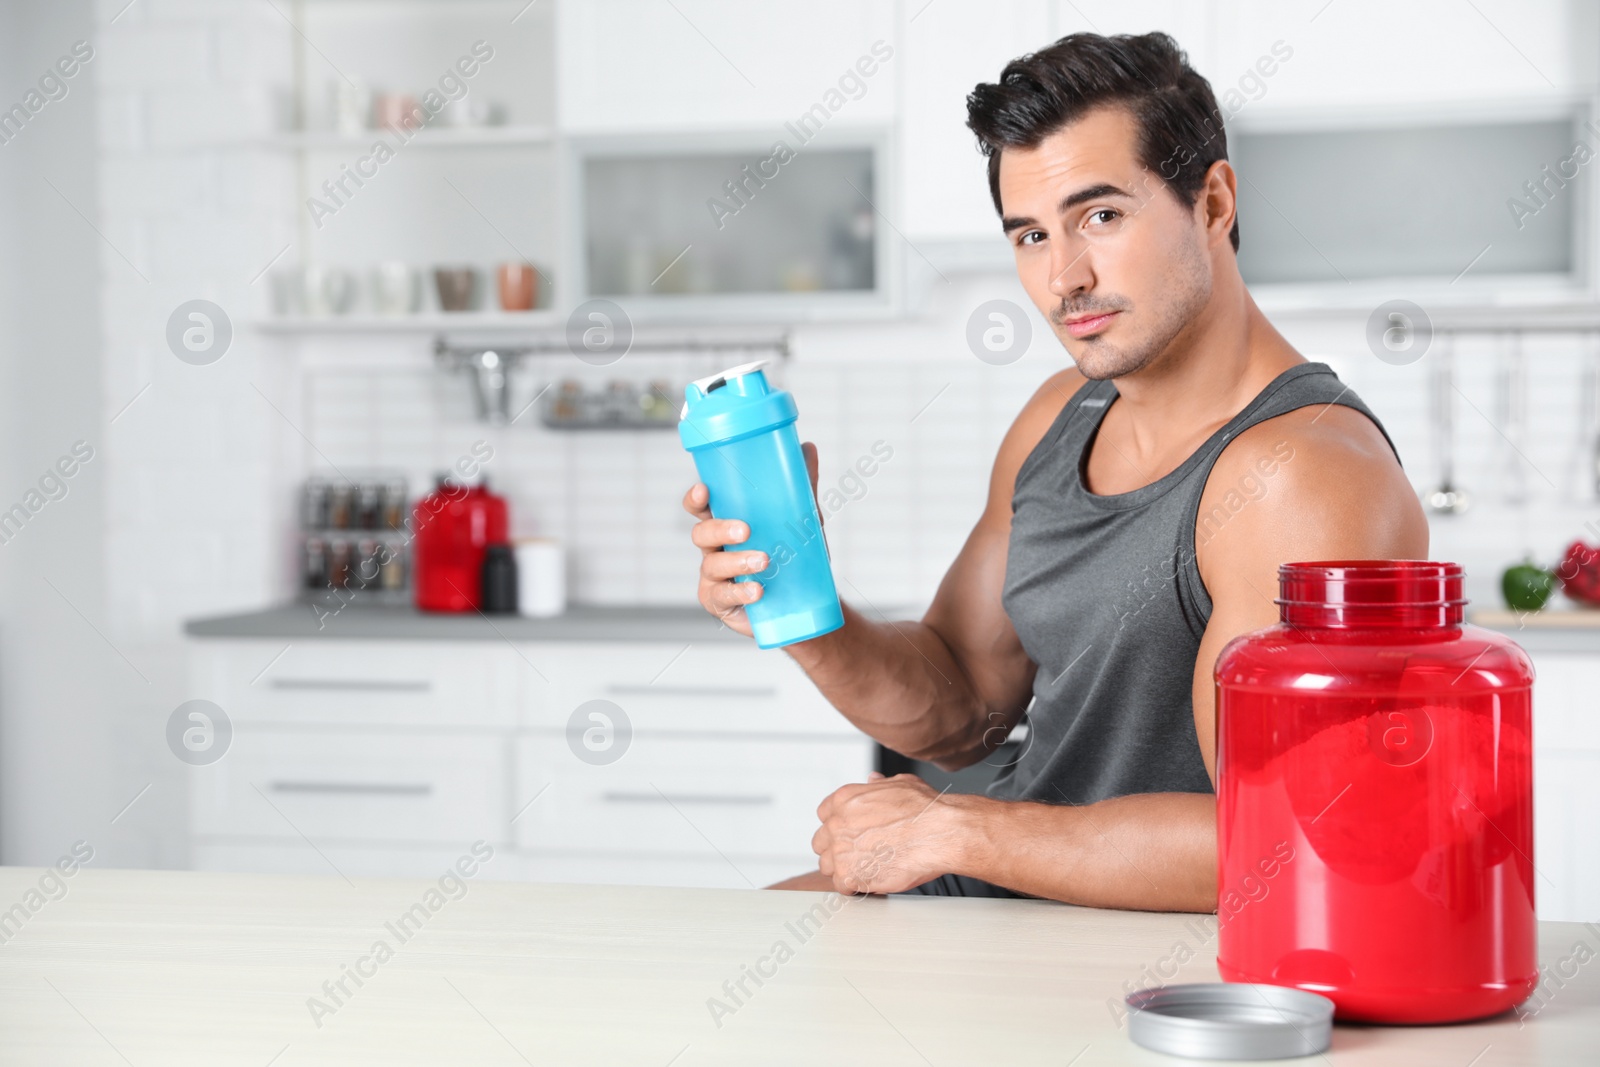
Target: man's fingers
[[875, 776], [723, 566], [725, 596], [837, 797], [719, 594], [697, 501], [714, 533]]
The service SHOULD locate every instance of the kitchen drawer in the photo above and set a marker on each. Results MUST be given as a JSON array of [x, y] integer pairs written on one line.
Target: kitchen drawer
[[1566, 809], [1563, 702], [683, 796], [360, 683], [347, 786], [717, 689]]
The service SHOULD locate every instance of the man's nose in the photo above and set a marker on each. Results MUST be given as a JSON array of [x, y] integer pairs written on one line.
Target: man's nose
[[1071, 271]]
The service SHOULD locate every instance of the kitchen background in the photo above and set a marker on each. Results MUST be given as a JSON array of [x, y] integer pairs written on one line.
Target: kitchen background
[[1414, 213]]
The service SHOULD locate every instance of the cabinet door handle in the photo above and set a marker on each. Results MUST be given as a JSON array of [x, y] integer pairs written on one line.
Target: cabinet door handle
[[693, 690], [354, 685], [405, 789], [618, 796]]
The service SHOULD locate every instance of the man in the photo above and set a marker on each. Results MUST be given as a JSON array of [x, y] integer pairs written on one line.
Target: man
[[1138, 510]]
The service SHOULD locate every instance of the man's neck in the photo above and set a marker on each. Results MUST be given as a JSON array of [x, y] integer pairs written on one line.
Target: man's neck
[[1211, 370]]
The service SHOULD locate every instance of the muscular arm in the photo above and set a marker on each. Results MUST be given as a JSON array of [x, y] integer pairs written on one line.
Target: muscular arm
[[1339, 494], [946, 689], [1334, 491]]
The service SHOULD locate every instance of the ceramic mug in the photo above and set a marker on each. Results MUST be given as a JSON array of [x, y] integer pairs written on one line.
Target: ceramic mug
[[394, 288], [457, 286], [398, 111], [350, 105], [326, 290], [519, 286], [465, 112]]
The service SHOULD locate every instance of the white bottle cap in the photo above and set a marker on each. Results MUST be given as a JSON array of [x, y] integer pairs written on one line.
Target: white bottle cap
[[705, 384]]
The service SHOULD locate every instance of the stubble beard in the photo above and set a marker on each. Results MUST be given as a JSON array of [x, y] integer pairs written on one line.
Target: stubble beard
[[1188, 289]]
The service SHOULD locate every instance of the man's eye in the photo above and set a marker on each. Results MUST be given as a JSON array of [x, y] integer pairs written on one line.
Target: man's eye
[[1032, 237], [1108, 213]]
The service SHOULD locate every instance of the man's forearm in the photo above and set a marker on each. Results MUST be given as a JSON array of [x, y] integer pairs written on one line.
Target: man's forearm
[[1153, 851], [898, 683]]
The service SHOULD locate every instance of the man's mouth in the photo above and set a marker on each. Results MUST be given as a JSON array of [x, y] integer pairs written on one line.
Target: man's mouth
[[1088, 324]]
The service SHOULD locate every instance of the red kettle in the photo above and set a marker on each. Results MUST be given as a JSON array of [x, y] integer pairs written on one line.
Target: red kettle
[[452, 526]]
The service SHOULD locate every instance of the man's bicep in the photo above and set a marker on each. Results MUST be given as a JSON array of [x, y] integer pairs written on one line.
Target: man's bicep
[[1339, 495], [967, 612], [1231, 615]]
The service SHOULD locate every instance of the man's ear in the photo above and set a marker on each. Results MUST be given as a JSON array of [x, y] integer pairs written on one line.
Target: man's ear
[[1219, 199]]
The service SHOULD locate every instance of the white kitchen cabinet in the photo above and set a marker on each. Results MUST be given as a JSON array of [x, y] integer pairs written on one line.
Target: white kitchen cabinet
[[363, 683], [949, 48], [637, 65], [388, 758], [684, 797], [1356, 57], [712, 689], [1566, 803], [1382, 55], [730, 751], [408, 786]]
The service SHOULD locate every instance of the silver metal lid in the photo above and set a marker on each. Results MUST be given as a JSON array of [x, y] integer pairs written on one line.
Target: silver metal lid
[[1230, 1021]]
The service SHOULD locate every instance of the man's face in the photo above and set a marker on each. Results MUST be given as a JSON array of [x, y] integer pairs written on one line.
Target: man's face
[[1106, 251]]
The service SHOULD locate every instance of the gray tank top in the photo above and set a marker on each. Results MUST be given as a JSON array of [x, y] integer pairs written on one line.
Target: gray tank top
[[1107, 599]]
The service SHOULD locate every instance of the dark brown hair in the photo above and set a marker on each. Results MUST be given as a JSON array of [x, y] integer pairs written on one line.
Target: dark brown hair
[[1180, 127]]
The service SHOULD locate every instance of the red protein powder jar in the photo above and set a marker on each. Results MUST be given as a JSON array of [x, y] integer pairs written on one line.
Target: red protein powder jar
[[1375, 798]]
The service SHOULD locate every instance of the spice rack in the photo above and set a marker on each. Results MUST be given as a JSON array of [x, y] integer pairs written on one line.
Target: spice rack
[[353, 539]]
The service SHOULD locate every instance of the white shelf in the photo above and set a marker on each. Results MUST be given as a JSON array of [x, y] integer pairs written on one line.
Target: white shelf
[[420, 323], [431, 137]]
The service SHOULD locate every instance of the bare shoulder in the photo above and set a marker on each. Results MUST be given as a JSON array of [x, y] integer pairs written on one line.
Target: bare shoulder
[[1318, 482]]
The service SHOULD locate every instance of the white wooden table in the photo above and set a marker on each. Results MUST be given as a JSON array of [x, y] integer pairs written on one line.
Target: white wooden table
[[154, 967]]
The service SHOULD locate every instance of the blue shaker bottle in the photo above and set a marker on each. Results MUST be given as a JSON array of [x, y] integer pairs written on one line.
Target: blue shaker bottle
[[741, 434]]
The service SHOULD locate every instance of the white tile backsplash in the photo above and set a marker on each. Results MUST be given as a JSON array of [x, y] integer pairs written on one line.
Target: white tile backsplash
[[615, 497]]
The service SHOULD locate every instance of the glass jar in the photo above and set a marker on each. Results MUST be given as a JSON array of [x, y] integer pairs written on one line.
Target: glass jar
[[1375, 798]]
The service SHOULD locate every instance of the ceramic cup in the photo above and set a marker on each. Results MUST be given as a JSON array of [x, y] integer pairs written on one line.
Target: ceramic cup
[[519, 286], [395, 288], [398, 111], [350, 105], [326, 290], [457, 286], [465, 111]]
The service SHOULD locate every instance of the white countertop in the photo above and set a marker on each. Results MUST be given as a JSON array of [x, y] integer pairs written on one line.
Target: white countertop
[[1553, 630], [301, 621], [161, 967]]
